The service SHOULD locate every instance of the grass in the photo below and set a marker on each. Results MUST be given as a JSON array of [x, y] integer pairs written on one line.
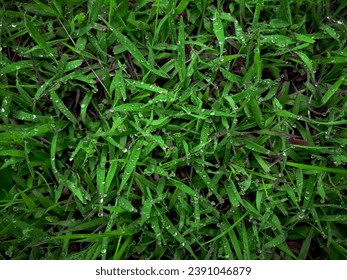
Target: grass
[[173, 129]]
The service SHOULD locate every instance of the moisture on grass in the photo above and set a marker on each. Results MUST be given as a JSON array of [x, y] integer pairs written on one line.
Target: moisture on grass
[[171, 129]]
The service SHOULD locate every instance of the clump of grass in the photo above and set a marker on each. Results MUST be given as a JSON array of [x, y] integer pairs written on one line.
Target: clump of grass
[[173, 130]]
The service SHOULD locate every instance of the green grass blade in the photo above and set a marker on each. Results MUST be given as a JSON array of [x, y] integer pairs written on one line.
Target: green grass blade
[[332, 90], [35, 34], [219, 31], [62, 108], [228, 229], [183, 187], [181, 55], [317, 168], [306, 245], [136, 53], [182, 6], [131, 165]]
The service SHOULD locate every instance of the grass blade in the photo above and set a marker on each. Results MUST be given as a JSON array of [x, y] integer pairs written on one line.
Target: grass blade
[[332, 90], [131, 165], [62, 108], [318, 168], [39, 39], [181, 56], [136, 53], [219, 32]]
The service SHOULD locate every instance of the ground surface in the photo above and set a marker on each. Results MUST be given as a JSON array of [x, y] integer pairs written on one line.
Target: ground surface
[[173, 129]]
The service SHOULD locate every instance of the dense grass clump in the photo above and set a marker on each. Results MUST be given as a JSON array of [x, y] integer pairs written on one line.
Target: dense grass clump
[[173, 129]]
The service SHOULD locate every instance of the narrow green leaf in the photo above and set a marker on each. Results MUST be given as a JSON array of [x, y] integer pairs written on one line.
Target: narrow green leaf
[[227, 230], [227, 249], [183, 187], [131, 107], [259, 199], [334, 218], [256, 147], [278, 40], [100, 179], [304, 38], [84, 106], [257, 63], [94, 10], [38, 38], [258, 8], [306, 245], [182, 6], [233, 194], [16, 66], [146, 86], [261, 162], [181, 55], [317, 168], [118, 87], [332, 90], [126, 204], [110, 175], [52, 156], [12, 153], [208, 181], [245, 242], [146, 211], [81, 194], [136, 53], [61, 107], [306, 60], [131, 165], [27, 200], [73, 64], [178, 236], [205, 132], [329, 30], [279, 239], [256, 111], [219, 31], [235, 243]]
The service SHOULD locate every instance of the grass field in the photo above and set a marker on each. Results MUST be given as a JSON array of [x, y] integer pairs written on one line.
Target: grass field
[[173, 129]]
